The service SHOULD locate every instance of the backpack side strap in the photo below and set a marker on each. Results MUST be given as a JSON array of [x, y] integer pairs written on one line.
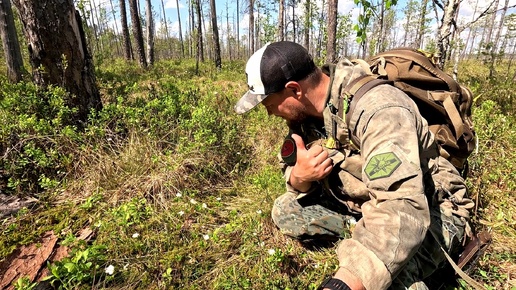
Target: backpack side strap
[[357, 88]]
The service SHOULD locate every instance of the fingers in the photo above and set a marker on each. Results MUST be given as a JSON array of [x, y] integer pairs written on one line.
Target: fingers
[[300, 144]]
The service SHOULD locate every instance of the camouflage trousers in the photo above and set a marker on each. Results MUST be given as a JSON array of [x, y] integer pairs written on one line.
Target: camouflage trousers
[[320, 215]]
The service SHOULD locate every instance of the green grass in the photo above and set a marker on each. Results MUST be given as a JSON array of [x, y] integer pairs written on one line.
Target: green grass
[[178, 189]]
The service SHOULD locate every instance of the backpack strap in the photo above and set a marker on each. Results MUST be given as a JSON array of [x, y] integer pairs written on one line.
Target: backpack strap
[[355, 90]]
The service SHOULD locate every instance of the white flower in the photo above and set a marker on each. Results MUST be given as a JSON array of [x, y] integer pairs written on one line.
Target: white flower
[[181, 213], [178, 194], [261, 244], [110, 270], [135, 235], [206, 237], [204, 205], [271, 252], [259, 211], [192, 201], [218, 198]]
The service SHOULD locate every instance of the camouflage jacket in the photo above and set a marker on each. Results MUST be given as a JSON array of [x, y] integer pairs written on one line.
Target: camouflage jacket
[[390, 178]]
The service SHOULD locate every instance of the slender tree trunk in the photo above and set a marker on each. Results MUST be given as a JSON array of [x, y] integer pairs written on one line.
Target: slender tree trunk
[[137, 32], [13, 58], [238, 28], [200, 46], [228, 33], [421, 24], [94, 26], [216, 42], [281, 20], [494, 48], [469, 33], [165, 25], [445, 31], [251, 27], [180, 31], [294, 34], [116, 28], [192, 39], [332, 30], [128, 52], [150, 33], [59, 54], [308, 19]]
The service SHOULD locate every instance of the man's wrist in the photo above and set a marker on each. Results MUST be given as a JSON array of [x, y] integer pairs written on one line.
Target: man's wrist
[[299, 185], [333, 284]]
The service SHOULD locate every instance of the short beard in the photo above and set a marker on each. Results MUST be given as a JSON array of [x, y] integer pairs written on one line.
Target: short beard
[[297, 118]]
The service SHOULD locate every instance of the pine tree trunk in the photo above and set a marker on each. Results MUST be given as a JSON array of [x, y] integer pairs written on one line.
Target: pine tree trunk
[[421, 24], [125, 32], [167, 35], [117, 44], [150, 33], [200, 45], [308, 19], [494, 49], [180, 31], [59, 54], [445, 31], [251, 27], [13, 58], [137, 32], [216, 41], [281, 20], [332, 30]]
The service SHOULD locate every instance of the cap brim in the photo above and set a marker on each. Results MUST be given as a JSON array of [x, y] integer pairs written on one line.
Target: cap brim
[[248, 101]]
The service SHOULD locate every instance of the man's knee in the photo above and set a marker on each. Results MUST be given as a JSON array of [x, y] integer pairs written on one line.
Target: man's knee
[[287, 216]]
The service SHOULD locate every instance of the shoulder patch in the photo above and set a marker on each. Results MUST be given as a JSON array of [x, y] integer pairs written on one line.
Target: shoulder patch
[[382, 165]]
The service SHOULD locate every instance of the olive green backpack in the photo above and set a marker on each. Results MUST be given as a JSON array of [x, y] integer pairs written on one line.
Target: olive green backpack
[[442, 101]]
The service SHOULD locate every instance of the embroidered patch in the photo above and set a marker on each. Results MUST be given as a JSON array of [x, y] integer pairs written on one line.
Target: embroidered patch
[[382, 165]]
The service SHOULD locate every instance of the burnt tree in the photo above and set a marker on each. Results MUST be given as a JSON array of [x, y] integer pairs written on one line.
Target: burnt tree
[[58, 52]]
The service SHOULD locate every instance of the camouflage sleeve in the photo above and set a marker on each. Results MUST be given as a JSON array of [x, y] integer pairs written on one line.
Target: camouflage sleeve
[[396, 217]]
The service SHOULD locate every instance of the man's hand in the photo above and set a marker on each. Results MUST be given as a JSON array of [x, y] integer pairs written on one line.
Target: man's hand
[[311, 165]]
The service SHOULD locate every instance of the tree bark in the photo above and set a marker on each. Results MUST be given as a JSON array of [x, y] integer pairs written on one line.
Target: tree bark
[[281, 20], [422, 24], [308, 20], [116, 28], [445, 31], [150, 33], [215, 28], [200, 45], [125, 32], [251, 27], [494, 48], [332, 30], [137, 32], [13, 58], [180, 31], [59, 54]]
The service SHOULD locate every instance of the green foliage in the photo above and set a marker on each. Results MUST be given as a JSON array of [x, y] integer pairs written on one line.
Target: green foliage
[[34, 137], [369, 10], [82, 267], [178, 188]]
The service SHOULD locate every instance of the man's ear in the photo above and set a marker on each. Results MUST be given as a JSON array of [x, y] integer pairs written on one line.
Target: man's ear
[[295, 87]]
